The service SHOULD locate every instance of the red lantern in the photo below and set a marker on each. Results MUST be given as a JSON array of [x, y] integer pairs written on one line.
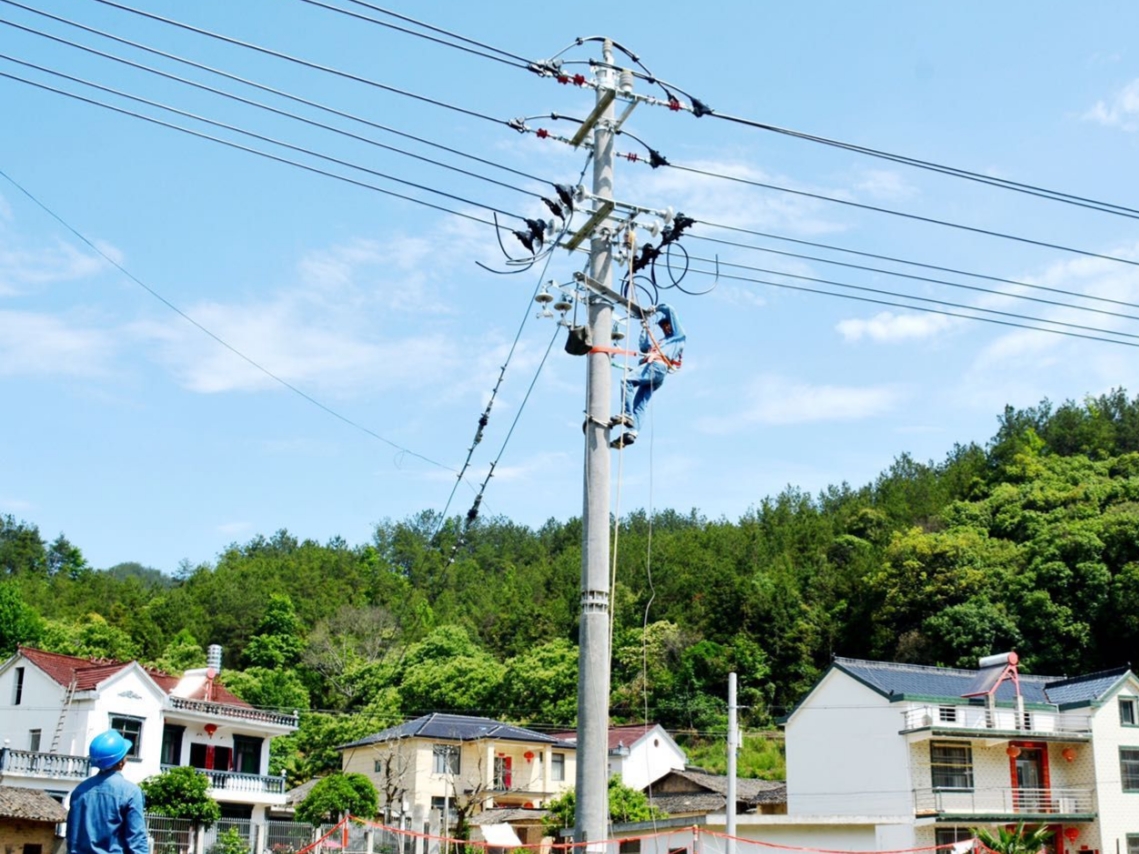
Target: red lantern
[[1068, 753], [529, 755], [1070, 833], [1013, 751]]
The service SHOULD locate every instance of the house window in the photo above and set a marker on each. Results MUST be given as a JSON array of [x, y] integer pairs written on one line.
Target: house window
[[18, 688], [1133, 843], [445, 758], [503, 774], [947, 714], [172, 744], [557, 767], [1129, 711], [443, 803], [247, 754], [34, 740], [951, 766], [951, 835], [1129, 768], [130, 729], [33, 848], [630, 846]]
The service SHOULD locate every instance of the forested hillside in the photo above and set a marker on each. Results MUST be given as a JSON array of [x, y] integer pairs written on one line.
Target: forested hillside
[[1029, 543]]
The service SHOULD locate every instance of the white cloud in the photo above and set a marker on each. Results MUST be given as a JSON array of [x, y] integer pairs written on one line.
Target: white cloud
[[16, 505], [43, 344], [21, 267], [884, 184], [776, 400], [889, 327], [1121, 110]]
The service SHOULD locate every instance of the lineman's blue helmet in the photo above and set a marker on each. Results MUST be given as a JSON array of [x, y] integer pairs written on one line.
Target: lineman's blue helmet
[[107, 748]]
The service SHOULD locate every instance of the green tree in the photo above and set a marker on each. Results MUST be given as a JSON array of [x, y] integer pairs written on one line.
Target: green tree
[[337, 795], [19, 622], [625, 805], [277, 688], [91, 637], [230, 842], [541, 684], [181, 793], [1015, 841], [181, 654], [449, 672]]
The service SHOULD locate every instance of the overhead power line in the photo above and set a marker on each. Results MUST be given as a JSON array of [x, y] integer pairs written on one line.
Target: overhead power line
[[249, 102], [853, 297], [308, 168], [868, 289], [259, 86], [247, 359], [909, 262], [303, 62], [889, 211], [1003, 183]]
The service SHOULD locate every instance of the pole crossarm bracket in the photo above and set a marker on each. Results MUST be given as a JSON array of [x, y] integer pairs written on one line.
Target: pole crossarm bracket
[[596, 218], [612, 295], [604, 99]]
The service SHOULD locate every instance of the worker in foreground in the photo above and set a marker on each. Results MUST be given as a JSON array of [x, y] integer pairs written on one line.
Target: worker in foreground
[[662, 356], [106, 814]]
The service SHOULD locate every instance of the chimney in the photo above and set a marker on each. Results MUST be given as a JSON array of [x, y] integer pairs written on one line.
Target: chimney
[[213, 658]]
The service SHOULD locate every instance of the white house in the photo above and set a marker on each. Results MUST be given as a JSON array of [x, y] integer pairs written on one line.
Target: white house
[[640, 753], [884, 756], [52, 705]]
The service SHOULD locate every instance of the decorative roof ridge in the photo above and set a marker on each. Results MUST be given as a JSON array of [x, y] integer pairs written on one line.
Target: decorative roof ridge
[[899, 666]]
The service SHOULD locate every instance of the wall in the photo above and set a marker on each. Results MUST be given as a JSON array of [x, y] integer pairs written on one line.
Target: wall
[[649, 759], [15, 833], [844, 753], [1118, 811], [130, 692]]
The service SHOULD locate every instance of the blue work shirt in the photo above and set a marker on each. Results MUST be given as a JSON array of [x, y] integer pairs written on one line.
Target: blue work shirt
[[106, 817], [671, 347]]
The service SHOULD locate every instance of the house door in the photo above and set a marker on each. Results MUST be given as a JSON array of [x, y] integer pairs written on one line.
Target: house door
[[1030, 794]]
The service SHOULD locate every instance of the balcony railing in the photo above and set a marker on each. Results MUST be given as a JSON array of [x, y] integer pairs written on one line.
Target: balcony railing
[[226, 711], [1006, 720], [1004, 801], [50, 765], [233, 781]]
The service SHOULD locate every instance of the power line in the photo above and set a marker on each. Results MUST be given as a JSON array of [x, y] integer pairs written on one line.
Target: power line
[[265, 154], [918, 298], [889, 211], [1003, 183], [911, 263], [269, 89], [993, 320], [272, 141], [249, 360], [513, 64], [914, 278], [258, 104], [303, 62]]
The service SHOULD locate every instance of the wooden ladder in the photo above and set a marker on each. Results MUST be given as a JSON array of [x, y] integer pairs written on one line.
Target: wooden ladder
[[67, 698]]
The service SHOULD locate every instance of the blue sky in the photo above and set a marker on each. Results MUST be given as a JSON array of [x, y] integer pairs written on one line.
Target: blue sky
[[141, 438]]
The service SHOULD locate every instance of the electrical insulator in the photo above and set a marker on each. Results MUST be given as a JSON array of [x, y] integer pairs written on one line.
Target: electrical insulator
[[563, 304], [617, 333], [626, 81]]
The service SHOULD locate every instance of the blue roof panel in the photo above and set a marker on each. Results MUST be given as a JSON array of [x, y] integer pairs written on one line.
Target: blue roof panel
[[445, 727]]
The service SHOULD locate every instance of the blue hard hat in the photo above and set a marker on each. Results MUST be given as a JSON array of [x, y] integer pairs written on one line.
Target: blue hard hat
[[107, 748]]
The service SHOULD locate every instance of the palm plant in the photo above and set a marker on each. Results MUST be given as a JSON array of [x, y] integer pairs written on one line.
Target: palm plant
[[1017, 841]]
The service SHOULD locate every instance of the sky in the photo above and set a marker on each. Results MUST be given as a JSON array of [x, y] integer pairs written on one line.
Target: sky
[[291, 351]]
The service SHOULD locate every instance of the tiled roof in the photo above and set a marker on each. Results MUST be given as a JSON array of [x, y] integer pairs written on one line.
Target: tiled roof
[[618, 735], [29, 804], [446, 727], [509, 815], [676, 803], [747, 790], [294, 796], [89, 673], [915, 680]]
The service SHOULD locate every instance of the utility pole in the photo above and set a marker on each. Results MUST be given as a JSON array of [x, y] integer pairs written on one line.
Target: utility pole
[[733, 747], [592, 816]]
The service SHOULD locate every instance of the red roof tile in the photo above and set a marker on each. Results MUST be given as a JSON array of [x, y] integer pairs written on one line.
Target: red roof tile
[[626, 735]]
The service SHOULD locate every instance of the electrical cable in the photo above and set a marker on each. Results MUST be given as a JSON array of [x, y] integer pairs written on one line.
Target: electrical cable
[[303, 62], [903, 214], [930, 279], [513, 64], [247, 359], [1003, 183], [269, 89], [892, 259], [252, 103], [255, 136], [786, 286]]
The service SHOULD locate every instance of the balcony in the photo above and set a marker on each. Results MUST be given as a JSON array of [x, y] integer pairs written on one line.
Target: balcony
[[221, 710], [997, 724], [235, 783], [48, 766], [1006, 803]]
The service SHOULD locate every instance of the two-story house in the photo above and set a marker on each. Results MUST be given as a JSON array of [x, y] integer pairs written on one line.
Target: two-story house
[[640, 753], [919, 756], [52, 705], [445, 762]]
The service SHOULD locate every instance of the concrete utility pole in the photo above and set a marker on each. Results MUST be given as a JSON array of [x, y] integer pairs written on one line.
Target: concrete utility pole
[[591, 821], [733, 747]]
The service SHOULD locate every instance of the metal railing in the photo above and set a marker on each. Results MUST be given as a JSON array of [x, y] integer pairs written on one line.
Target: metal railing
[[1005, 801], [35, 764], [235, 781], [966, 717], [226, 711]]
